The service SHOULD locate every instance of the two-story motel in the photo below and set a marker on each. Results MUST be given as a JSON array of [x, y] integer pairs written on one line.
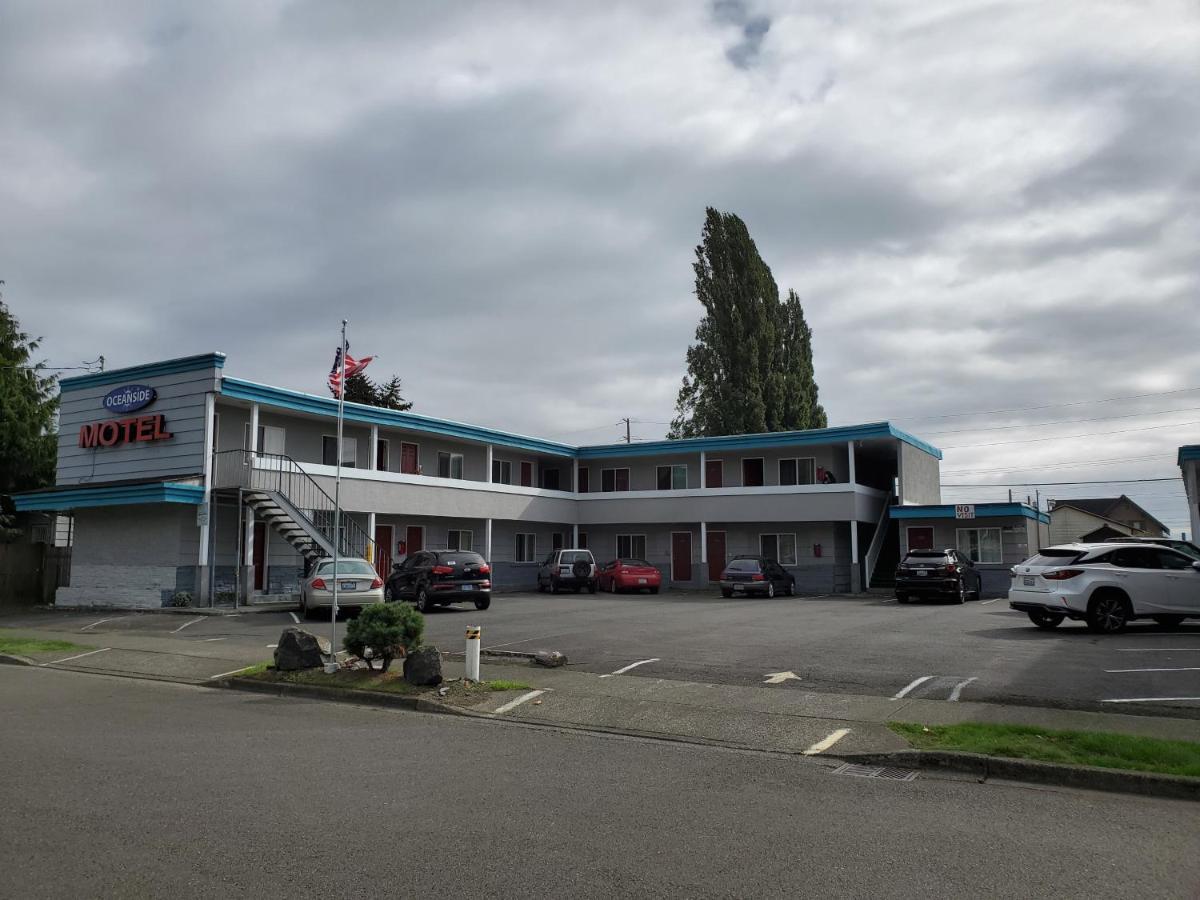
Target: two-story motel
[[181, 479]]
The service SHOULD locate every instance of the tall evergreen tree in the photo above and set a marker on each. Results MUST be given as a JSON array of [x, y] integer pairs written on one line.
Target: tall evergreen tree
[[28, 409], [750, 369], [361, 389]]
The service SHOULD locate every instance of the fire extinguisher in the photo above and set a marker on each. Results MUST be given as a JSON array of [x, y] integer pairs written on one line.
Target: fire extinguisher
[[817, 550]]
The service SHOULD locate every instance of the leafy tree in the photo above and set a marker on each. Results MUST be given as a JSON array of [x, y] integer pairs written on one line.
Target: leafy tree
[[389, 629], [28, 410], [361, 389], [750, 369]]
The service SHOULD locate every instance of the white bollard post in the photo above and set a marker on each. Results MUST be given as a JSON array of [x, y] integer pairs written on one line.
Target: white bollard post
[[473, 632]]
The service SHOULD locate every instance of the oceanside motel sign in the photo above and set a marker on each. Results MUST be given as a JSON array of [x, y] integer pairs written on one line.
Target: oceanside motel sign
[[125, 399]]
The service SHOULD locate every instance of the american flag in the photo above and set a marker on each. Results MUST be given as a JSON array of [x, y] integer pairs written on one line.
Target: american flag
[[353, 366]]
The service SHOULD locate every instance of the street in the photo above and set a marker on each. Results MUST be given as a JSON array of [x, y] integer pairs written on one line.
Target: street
[[123, 787]]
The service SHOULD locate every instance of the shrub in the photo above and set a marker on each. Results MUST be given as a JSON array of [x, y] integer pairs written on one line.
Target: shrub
[[389, 629], [181, 598]]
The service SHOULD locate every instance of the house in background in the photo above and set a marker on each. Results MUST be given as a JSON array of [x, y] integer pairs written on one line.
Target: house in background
[[1097, 519], [1189, 467]]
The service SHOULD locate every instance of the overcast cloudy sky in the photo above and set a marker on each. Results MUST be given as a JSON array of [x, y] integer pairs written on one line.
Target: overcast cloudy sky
[[984, 206]]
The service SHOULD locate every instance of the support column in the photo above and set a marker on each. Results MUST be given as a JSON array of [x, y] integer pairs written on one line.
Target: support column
[[850, 457], [253, 448], [488, 476], [373, 459], [704, 543], [575, 475], [247, 585], [855, 574], [574, 535], [703, 470], [203, 575], [487, 537]]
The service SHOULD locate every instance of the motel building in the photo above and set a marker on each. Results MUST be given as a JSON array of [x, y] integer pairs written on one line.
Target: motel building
[[180, 479]]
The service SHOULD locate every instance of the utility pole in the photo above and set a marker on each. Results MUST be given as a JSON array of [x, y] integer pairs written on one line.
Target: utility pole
[[628, 438]]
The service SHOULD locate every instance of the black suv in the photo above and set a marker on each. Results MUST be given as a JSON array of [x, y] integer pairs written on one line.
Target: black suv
[[937, 573], [756, 575], [432, 578], [568, 569]]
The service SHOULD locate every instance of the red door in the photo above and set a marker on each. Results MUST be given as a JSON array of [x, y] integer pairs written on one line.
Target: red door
[[383, 550], [714, 473], [526, 474], [408, 459], [414, 538], [681, 556], [920, 537], [260, 555], [716, 555]]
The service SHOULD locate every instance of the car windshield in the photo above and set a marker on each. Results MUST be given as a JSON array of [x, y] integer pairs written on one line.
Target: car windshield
[[574, 556], [460, 559], [743, 565], [347, 567], [1053, 556]]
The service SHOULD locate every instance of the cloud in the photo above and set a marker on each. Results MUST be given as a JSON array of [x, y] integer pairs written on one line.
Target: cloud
[[983, 206]]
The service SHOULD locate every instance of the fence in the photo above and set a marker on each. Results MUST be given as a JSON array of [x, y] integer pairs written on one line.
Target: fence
[[30, 573]]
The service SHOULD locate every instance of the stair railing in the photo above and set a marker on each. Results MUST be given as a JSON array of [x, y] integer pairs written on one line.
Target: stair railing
[[876, 546], [280, 473]]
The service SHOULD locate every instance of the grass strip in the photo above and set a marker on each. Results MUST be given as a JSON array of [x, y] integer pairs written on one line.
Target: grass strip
[[1087, 748], [346, 679], [21, 646]]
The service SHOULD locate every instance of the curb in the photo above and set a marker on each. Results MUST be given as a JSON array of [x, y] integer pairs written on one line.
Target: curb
[[1122, 781], [11, 659], [320, 692]]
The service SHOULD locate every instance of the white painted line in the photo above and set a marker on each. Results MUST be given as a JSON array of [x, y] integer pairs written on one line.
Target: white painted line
[[210, 640], [525, 640], [888, 600], [225, 674], [1148, 699], [993, 600], [513, 704], [903, 692], [630, 666], [1120, 671], [823, 745], [186, 624], [79, 656], [295, 618], [958, 689], [1158, 649], [272, 646], [102, 621]]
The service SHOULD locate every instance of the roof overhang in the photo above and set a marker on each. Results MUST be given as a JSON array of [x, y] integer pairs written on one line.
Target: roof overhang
[[982, 511], [166, 367], [80, 497]]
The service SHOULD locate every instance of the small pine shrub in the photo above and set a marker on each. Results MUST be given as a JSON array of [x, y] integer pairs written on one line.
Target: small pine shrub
[[389, 629]]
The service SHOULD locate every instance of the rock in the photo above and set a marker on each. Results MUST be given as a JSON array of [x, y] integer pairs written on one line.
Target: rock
[[423, 667], [300, 649], [550, 658]]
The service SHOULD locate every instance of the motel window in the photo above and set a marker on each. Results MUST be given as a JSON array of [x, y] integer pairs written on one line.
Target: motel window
[[459, 540], [981, 544], [583, 540], [526, 547], [450, 465], [672, 478], [631, 546], [584, 481], [779, 547], [798, 471], [614, 480], [270, 439], [382, 452], [752, 472], [349, 451], [556, 541], [550, 479], [501, 471]]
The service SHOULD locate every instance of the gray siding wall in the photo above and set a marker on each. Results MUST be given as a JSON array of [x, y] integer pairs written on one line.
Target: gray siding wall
[[920, 476], [180, 400], [824, 506]]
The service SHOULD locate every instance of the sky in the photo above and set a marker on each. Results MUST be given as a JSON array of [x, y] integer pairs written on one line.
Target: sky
[[990, 210]]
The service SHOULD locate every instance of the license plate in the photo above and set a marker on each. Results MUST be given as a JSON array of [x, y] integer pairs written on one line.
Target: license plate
[[468, 587], [641, 581], [738, 587], [348, 585], [922, 572], [1027, 581]]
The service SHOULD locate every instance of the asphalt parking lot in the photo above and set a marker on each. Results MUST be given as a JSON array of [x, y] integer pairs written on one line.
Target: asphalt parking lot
[[980, 651]]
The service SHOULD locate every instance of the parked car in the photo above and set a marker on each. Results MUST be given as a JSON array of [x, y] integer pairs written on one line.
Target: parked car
[[1106, 585], [575, 569], [432, 578], [629, 575], [756, 575], [946, 573], [1187, 548], [358, 585]]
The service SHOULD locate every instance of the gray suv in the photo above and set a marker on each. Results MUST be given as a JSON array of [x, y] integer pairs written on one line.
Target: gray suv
[[575, 569]]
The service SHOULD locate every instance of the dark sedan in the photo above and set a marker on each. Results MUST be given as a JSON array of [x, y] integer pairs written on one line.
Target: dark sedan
[[948, 574], [756, 575], [432, 578]]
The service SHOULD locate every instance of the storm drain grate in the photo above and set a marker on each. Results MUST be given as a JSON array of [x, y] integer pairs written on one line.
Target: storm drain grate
[[887, 772]]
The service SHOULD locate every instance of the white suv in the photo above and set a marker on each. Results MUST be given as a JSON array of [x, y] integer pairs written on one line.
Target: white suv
[[1106, 585]]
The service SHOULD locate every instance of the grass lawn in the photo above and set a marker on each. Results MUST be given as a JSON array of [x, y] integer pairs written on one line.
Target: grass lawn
[[22, 646], [1088, 748]]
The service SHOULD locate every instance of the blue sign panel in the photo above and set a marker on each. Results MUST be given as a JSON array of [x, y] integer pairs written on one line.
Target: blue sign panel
[[128, 398]]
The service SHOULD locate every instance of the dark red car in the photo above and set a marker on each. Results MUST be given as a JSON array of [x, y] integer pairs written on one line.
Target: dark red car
[[629, 575]]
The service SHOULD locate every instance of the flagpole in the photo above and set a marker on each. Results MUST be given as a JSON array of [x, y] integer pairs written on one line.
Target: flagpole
[[332, 665]]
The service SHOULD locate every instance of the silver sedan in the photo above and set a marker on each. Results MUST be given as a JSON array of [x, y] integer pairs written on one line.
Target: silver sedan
[[358, 585]]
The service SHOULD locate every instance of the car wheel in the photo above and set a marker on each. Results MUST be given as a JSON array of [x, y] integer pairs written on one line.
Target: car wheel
[[303, 605], [901, 598], [726, 592], [387, 593], [483, 602], [1043, 619], [1108, 614], [553, 588], [654, 590], [1169, 621], [791, 588], [770, 589], [423, 603], [961, 597], [592, 587]]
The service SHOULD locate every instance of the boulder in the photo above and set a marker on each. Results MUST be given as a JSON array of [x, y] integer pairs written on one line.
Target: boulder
[[299, 649], [550, 658], [423, 667]]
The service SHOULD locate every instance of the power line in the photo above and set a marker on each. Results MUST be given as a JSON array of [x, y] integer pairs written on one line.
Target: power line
[[1063, 465], [1067, 437], [1164, 412], [1063, 483], [988, 412]]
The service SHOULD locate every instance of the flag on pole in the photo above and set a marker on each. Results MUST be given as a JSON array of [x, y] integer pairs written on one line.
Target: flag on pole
[[353, 366]]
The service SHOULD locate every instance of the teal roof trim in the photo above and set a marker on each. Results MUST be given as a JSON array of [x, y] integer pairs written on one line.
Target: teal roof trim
[[982, 511], [873, 431], [1189, 453], [130, 373], [374, 415], [112, 495]]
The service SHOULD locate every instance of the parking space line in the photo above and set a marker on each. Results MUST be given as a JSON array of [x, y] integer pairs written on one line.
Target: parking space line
[[513, 704], [295, 618], [78, 656], [226, 674], [993, 600], [1122, 671], [823, 745], [1158, 649], [525, 640], [915, 683], [186, 624], [102, 621], [958, 689], [1147, 699], [630, 666]]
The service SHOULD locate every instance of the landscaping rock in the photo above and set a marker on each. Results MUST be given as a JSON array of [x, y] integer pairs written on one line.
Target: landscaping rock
[[550, 658], [299, 649], [423, 666]]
